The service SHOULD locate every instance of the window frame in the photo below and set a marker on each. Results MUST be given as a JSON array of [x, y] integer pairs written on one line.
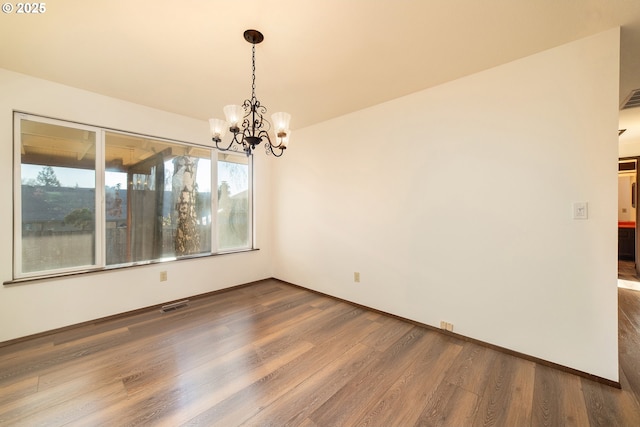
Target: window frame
[[100, 216]]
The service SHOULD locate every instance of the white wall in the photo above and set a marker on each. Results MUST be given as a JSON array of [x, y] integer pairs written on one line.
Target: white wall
[[630, 148], [40, 306], [629, 141], [455, 204]]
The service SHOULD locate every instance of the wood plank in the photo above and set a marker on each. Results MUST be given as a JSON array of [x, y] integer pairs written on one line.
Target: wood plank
[[347, 405], [54, 402], [295, 406], [18, 389], [449, 405], [495, 400], [128, 359], [75, 407], [520, 389], [629, 337], [607, 406], [382, 338], [558, 399], [421, 380], [470, 368], [38, 362]]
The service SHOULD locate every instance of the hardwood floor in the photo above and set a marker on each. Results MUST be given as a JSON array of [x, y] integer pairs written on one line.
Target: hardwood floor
[[271, 354], [627, 271]]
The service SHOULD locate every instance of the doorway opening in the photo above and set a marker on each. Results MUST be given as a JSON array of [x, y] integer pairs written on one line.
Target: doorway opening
[[628, 251]]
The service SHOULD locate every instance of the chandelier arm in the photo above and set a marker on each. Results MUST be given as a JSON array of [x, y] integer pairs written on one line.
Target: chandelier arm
[[236, 141], [230, 147], [269, 149], [263, 134]]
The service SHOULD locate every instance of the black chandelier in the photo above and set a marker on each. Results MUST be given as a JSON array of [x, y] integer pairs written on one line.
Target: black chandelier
[[247, 123]]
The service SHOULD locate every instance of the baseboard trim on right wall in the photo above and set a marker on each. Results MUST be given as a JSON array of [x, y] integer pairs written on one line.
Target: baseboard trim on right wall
[[596, 378]]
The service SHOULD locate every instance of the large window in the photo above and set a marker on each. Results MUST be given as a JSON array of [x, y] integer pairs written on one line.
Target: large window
[[90, 198]]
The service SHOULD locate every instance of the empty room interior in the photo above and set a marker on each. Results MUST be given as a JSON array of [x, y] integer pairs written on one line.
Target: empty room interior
[[330, 213]]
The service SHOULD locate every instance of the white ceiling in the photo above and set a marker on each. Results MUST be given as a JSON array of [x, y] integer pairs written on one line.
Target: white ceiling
[[320, 59]]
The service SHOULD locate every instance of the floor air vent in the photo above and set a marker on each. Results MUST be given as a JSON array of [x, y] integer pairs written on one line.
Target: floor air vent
[[174, 306], [632, 101]]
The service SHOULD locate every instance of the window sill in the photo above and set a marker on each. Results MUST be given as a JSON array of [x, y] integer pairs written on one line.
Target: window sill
[[27, 280]]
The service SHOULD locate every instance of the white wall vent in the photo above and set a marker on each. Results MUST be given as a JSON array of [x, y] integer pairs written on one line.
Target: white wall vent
[[632, 101]]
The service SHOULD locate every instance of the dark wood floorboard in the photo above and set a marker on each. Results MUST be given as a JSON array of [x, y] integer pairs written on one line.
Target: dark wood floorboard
[[271, 354], [627, 271]]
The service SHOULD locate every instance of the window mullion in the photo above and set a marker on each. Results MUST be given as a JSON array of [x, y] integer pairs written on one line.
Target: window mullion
[[250, 214], [17, 192], [100, 216], [214, 201]]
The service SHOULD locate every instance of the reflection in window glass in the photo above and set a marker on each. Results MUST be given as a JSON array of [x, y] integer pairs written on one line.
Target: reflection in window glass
[[157, 199], [233, 202], [57, 174]]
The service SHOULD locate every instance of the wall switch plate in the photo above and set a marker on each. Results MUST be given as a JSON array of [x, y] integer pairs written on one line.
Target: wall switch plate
[[356, 277], [580, 210], [163, 276]]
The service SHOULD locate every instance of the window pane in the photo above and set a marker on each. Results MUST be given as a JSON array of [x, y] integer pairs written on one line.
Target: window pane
[[57, 174], [234, 218], [157, 199]]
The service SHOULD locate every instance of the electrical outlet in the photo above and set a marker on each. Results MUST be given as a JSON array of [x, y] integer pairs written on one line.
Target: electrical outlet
[[356, 277], [163, 276], [446, 326]]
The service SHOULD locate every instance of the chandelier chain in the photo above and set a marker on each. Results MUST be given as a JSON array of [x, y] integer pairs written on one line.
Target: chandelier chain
[[253, 71]]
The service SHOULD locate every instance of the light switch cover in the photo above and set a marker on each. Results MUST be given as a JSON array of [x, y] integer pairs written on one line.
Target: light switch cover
[[580, 210]]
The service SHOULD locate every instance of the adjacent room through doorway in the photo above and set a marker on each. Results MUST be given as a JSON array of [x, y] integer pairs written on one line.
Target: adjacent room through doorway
[[627, 215]]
